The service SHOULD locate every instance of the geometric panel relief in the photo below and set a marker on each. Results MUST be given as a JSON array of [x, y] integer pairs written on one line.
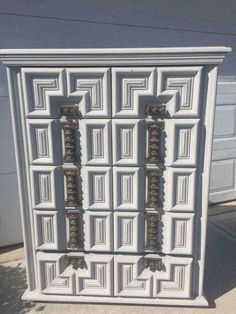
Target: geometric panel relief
[[127, 142], [131, 279], [182, 151], [58, 276], [175, 281], [97, 277], [96, 187], [98, 235], [92, 86], [179, 88], [44, 194], [178, 232], [127, 232], [42, 137], [40, 85], [180, 192], [128, 193], [95, 142], [47, 225], [130, 88]]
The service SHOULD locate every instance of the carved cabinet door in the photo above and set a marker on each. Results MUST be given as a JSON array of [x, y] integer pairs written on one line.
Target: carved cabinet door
[[113, 168]]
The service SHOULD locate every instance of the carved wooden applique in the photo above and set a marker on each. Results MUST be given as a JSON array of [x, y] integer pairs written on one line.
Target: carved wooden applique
[[72, 199], [157, 111], [76, 262], [74, 224], [153, 189], [152, 226], [69, 128], [153, 264], [154, 142]]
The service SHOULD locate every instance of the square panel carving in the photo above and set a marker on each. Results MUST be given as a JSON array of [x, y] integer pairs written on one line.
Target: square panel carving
[[181, 142], [43, 136], [49, 230], [132, 279], [98, 231], [96, 278], [179, 189], [96, 187], [92, 86], [95, 141], [179, 89], [175, 281], [47, 187], [128, 232], [128, 142], [39, 86], [130, 86], [178, 230], [128, 192]]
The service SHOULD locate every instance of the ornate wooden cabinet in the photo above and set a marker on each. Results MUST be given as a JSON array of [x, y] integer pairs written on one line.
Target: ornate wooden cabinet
[[113, 149]]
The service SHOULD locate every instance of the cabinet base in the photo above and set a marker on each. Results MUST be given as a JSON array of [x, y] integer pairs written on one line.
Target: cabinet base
[[36, 296]]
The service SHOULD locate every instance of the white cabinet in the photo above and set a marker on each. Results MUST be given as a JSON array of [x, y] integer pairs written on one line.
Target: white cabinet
[[113, 149]]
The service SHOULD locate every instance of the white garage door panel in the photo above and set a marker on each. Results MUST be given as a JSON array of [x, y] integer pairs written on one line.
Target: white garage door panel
[[223, 179]]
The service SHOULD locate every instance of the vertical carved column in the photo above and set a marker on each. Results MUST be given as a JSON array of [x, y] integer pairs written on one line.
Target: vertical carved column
[[153, 197], [152, 225], [154, 143], [74, 224], [69, 128], [72, 199]]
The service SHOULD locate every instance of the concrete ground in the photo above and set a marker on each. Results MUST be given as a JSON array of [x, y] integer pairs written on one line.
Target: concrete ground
[[220, 277]]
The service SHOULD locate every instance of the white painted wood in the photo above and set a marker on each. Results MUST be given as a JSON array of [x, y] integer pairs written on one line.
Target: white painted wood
[[112, 175]]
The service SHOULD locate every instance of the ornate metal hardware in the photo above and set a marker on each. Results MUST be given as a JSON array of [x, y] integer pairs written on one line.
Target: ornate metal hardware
[[153, 264], [74, 225], [153, 197], [72, 199], [152, 226], [157, 111], [72, 111], [154, 143], [69, 127], [76, 262]]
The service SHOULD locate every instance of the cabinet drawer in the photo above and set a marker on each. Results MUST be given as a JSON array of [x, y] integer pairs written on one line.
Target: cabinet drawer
[[146, 276]]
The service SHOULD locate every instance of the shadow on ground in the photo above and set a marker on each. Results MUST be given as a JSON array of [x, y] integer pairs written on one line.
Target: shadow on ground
[[12, 286], [220, 270]]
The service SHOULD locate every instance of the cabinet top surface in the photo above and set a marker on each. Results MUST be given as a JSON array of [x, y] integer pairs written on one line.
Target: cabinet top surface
[[113, 56]]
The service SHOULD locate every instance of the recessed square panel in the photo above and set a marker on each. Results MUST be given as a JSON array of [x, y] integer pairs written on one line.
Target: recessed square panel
[[179, 189], [43, 136], [47, 187], [92, 86], [128, 190], [128, 232], [96, 187], [179, 89], [95, 138], [98, 231], [130, 88], [181, 142]]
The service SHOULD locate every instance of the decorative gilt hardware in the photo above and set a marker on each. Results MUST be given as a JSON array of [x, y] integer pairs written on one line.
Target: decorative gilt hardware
[[76, 262], [154, 143], [74, 224], [71, 111], [157, 111], [72, 199], [153, 264], [153, 197], [69, 127], [152, 226]]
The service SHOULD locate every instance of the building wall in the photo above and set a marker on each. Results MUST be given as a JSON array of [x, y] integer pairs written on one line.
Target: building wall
[[97, 24]]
